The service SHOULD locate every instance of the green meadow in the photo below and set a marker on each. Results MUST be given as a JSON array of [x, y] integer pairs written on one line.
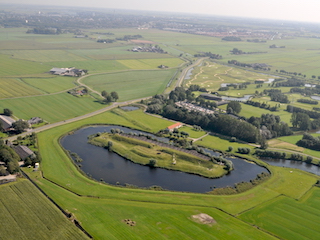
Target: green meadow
[[51, 108], [131, 84]]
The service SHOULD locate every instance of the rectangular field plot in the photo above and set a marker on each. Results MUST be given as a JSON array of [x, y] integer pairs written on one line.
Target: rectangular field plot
[[151, 63], [51, 84], [132, 84], [51, 108], [43, 55], [288, 218], [16, 67], [11, 87], [27, 214]]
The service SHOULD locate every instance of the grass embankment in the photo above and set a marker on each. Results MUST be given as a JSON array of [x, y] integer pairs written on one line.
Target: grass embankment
[[142, 152], [28, 214]]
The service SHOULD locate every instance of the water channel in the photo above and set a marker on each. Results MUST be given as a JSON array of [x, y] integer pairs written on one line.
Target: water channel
[[113, 169]]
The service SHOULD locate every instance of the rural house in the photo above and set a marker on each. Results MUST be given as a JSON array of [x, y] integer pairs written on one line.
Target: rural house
[[174, 126], [6, 122]]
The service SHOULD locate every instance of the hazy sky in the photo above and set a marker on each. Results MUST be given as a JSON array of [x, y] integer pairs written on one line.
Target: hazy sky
[[299, 10]]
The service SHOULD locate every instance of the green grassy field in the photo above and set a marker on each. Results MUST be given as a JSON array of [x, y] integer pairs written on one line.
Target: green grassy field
[[12, 87], [51, 84], [28, 214], [151, 63], [132, 84], [51, 108], [288, 218]]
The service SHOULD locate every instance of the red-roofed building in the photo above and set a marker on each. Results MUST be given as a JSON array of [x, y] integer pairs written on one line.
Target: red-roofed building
[[174, 126]]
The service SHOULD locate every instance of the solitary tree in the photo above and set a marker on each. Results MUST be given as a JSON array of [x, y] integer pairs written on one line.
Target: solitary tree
[[20, 125], [152, 163], [115, 96], [7, 112]]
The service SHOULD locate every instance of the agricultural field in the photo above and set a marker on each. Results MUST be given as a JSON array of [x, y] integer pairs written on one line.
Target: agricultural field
[[50, 84], [288, 218], [13, 87], [151, 63], [131, 84], [51, 108], [28, 214]]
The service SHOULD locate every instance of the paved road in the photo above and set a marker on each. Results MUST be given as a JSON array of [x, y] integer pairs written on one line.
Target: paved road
[[52, 125]]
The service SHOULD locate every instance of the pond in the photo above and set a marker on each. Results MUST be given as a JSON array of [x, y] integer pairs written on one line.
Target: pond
[[188, 75], [129, 108], [315, 98], [113, 169], [241, 99]]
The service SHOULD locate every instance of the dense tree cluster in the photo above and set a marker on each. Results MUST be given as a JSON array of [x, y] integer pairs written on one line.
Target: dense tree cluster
[[107, 40], [129, 37], [42, 30], [308, 101], [7, 112], [256, 66], [306, 91], [270, 154], [208, 54], [278, 97], [220, 123], [293, 82], [301, 120], [311, 114], [262, 105], [10, 158], [270, 126], [231, 38], [309, 141], [234, 107], [20, 126], [109, 97]]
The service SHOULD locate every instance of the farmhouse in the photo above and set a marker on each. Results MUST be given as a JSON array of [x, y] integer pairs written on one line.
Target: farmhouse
[[6, 122], [71, 72], [174, 126], [24, 152]]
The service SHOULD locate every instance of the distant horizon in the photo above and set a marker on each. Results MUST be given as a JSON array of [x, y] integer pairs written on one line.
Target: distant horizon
[[278, 10]]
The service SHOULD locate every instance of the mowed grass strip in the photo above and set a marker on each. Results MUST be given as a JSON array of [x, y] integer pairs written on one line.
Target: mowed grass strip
[[11, 87], [104, 219], [288, 218], [51, 108], [133, 84], [28, 214], [51, 84], [151, 63]]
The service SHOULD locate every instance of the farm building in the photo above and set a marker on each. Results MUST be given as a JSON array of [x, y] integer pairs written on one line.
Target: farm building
[[174, 126], [71, 72], [35, 120], [24, 152], [6, 122]]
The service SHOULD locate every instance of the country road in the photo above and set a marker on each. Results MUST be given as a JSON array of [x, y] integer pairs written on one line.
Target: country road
[[52, 125]]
